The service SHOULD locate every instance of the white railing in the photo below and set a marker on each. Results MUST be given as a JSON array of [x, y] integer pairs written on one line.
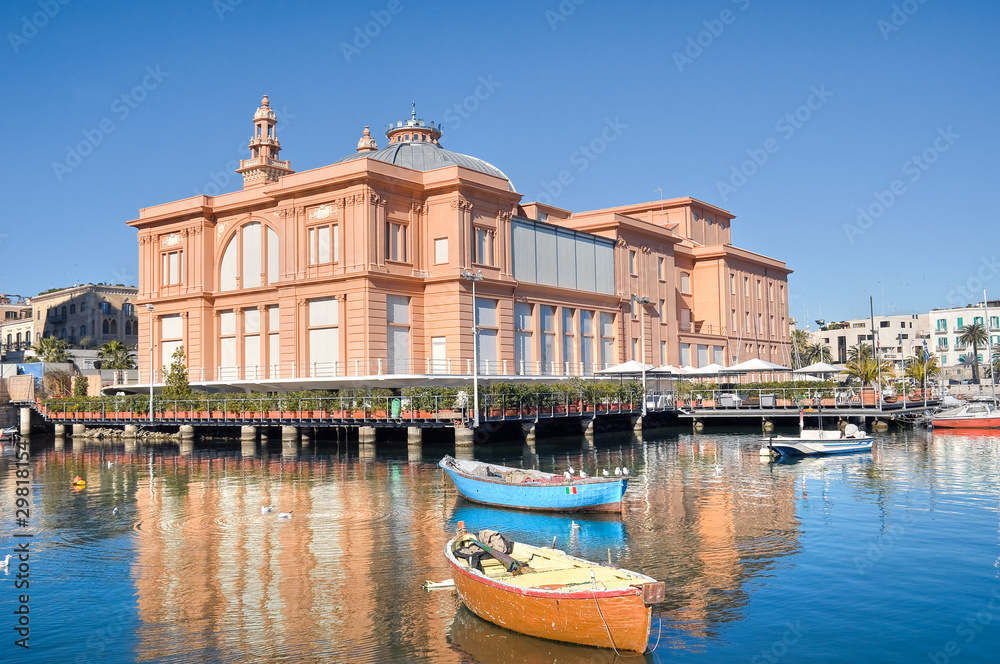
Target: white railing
[[379, 366]]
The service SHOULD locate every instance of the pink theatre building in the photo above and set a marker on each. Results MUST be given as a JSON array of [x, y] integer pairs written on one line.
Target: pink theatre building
[[367, 267]]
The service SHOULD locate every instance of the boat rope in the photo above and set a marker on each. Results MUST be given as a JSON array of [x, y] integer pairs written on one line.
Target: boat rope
[[659, 630], [593, 591]]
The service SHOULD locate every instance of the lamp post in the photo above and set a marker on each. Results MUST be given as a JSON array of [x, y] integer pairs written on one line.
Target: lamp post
[[474, 277], [149, 308], [642, 302]]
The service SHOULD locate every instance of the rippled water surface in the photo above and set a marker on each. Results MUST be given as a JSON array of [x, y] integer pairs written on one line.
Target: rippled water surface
[[888, 556]]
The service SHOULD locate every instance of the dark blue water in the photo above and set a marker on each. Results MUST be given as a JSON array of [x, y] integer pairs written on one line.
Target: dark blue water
[[890, 556]]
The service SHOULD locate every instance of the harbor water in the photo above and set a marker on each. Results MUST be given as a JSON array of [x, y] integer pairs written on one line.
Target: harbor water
[[166, 555]]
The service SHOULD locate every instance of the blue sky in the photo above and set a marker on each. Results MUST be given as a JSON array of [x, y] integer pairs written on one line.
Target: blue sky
[[795, 116]]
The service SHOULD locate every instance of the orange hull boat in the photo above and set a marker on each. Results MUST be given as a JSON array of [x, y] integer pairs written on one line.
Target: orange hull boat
[[559, 597]]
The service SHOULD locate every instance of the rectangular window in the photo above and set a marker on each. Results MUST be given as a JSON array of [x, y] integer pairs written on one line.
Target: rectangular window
[[685, 283], [569, 339], [732, 284], [717, 356], [703, 355], [587, 341], [324, 337], [746, 321], [659, 268], [322, 244], [732, 325], [685, 357], [397, 317], [547, 323], [663, 352], [661, 305], [273, 343], [484, 246], [770, 326], [228, 365], [746, 286], [486, 319], [439, 355], [942, 324], [607, 339], [171, 338], [171, 268], [770, 292], [635, 349], [760, 319], [631, 261], [685, 320], [883, 323], [523, 356], [395, 241], [781, 294], [760, 293], [440, 250]]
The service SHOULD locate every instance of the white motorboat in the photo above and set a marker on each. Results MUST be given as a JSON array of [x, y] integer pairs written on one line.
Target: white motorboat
[[818, 441], [972, 416]]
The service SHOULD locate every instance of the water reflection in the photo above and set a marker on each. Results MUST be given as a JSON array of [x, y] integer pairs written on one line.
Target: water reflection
[[204, 575]]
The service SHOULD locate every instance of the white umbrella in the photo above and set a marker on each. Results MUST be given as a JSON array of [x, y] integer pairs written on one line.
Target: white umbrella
[[756, 365], [709, 370], [670, 370], [818, 368], [630, 367]]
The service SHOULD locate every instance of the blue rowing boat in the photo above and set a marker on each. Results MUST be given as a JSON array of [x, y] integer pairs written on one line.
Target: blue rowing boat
[[527, 489]]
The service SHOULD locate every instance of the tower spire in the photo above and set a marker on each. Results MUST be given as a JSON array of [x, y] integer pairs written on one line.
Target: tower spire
[[263, 166]]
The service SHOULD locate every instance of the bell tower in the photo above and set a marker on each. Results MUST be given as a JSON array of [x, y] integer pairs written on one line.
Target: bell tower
[[263, 167]]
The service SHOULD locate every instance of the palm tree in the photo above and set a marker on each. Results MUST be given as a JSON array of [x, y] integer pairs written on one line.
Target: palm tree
[[116, 355], [51, 349], [859, 350], [974, 334], [817, 352], [995, 360], [920, 369], [800, 340], [866, 369]]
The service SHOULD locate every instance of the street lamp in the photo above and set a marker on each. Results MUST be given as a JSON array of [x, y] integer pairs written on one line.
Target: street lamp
[[474, 277], [642, 302], [149, 308]]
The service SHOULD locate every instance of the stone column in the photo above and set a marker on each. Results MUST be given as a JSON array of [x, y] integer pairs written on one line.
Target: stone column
[[79, 429], [25, 421]]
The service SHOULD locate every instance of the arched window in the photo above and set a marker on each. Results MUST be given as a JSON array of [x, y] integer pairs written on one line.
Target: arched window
[[83, 330], [128, 328], [105, 328], [114, 327], [250, 259]]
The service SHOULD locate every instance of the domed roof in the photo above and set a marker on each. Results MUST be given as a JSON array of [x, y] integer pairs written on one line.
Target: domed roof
[[427, 157], [413, 144]]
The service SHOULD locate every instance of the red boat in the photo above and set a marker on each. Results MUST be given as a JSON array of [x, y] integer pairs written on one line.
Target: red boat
[[971, 416]]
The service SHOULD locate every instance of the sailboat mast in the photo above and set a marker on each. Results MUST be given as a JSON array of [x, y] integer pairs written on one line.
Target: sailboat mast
[[989, 348]]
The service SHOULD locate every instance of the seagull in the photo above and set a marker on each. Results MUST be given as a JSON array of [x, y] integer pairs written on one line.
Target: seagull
[[574, 525], [110, 463], [5, 562], [625, 472], [571, 471], [265, 510], [605, 473], [568, 475], [115, 511], [583, 475], [618, 471], [285, 515]]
